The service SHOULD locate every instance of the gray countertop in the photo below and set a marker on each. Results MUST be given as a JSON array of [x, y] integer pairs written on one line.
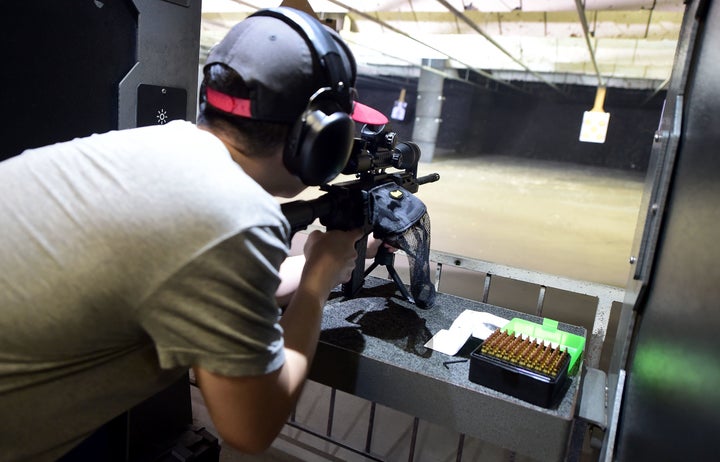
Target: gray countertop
[[372, 346]]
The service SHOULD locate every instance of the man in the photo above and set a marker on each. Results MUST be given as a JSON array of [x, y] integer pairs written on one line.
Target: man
[[129, 257]]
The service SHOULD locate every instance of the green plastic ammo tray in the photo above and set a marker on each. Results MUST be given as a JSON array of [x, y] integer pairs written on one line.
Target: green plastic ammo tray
[[509, 363]]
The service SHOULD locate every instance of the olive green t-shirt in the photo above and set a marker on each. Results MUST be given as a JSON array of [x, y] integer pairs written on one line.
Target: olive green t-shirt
[[125, 259]]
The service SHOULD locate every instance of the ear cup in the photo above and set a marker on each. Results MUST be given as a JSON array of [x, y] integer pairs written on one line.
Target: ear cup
[[319, 146], [321, 139]]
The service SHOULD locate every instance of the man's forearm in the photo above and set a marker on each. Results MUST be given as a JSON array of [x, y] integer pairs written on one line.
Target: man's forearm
[[301, 323], [290, 272], [250, 411]]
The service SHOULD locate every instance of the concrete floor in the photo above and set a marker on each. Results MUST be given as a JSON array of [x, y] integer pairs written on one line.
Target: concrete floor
[[559, 219]]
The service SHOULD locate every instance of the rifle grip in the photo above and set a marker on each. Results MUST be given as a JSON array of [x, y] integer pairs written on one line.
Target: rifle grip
[[357, 279]]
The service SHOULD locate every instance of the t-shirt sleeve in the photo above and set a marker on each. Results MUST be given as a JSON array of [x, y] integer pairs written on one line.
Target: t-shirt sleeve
[[219, 311]]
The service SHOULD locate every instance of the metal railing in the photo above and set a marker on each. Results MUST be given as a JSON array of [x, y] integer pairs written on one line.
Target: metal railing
[[606, 295]]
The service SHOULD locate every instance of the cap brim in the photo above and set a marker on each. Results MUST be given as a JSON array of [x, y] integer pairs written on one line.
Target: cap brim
[[367, 115]]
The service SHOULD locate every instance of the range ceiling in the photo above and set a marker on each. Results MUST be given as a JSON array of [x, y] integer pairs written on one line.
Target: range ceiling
[[621, 43]]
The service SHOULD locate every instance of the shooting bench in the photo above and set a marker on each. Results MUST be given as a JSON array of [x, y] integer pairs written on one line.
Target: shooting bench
[[372, 347]]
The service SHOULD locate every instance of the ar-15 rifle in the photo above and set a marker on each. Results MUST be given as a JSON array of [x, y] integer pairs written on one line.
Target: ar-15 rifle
[[345, 205]]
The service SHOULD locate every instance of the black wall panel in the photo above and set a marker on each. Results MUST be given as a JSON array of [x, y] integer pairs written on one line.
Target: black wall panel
[[63, 63], [538, 123], [73, 67]]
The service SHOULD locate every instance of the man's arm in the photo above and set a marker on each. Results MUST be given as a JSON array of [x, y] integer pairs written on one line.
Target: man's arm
[[291, 270], [249, 412], [290, 273]]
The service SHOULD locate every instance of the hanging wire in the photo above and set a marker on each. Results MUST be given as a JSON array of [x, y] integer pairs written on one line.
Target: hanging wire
[[248, 4], [460, 15], [663, 85], [406, 35], [586, 32], [424, 67]]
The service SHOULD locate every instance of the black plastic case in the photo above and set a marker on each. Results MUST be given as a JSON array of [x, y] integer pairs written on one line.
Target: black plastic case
[[517, 381]]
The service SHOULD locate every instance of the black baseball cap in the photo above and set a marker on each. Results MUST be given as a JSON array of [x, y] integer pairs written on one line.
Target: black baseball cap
[[285, 56]]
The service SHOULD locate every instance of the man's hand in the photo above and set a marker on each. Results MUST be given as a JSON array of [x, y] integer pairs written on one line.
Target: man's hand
[[337, 246], [373, 245], [330, 257]]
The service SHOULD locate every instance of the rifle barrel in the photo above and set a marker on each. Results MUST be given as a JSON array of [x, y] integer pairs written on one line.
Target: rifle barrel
[[431, 178]]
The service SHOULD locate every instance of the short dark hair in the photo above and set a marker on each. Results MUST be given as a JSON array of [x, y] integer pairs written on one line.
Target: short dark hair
[[254, 137]]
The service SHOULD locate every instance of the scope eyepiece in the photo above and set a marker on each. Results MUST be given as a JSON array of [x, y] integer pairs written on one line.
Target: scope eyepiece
[[406, 155], [378, 148]]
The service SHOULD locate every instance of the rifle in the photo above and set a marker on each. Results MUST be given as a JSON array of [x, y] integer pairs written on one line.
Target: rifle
[[345, 205]]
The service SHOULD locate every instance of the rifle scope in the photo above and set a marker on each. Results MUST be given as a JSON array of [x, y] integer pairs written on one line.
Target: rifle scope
[[378, 149]]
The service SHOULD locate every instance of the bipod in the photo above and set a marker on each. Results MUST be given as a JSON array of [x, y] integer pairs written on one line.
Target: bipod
[[387, 259]]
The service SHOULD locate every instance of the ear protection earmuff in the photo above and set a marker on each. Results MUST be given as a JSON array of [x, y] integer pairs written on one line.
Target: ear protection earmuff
[[321, 139]]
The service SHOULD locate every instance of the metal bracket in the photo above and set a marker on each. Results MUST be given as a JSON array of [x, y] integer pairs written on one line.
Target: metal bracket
[[593, 398], [608, 447]]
